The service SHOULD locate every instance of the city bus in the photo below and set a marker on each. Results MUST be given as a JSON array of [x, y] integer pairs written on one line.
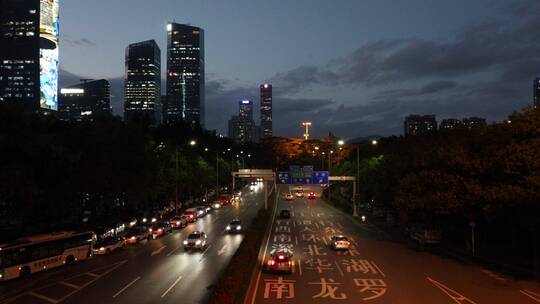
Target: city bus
[[41, 252]]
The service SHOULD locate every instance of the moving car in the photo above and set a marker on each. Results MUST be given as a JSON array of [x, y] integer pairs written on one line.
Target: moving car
[[108, 245], [208, 208], [339, 242], [201, 211], [216, 205], [234, 226], [289, 196], [299, 193], [224, 199], [312, 195], [191, 215], [179, 221], [280, 261], [285, 214], [160, 229], [195, 240], [135, 235]]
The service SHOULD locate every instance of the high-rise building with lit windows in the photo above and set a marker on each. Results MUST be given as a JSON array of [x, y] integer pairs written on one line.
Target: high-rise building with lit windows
[[242, 128], [85, 100], [185, 74], [266, 110], [245, 109], [420, 124], [29, 53], [142, 83]]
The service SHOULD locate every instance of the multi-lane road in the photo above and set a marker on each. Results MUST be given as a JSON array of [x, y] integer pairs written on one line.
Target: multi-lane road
[[372, 271], [156, 271]]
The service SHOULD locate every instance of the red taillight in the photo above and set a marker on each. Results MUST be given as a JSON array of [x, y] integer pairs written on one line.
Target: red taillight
[[150, 230], [160, 230], [177, 223], [191, 216], [271, 262]]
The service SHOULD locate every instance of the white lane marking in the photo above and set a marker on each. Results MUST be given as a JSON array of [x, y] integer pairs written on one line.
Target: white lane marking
[[171, 287], [70, 285], [296, 240], [93, 274], [172, 251], [44, 298], [379, 269], [265, 248], [222, 250], [493, 275], [126, 287], [158, 250], [202, 254], [299, 267], [207, 247], [339, 268], [454, 295], [531, 294]]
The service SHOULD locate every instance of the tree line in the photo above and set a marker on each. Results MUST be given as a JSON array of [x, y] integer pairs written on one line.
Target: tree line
[[456, 179], [52, 172]]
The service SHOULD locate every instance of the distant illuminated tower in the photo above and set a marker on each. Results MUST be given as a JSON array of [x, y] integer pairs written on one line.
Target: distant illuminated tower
[[266, 110], [185, 74], [143, 82], [245, 109], [29, 33], [306, 125]]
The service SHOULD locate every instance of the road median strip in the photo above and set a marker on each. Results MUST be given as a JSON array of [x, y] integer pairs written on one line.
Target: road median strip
[[234, 281]]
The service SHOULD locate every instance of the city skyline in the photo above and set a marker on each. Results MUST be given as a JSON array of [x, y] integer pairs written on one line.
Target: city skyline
[[363, 82]]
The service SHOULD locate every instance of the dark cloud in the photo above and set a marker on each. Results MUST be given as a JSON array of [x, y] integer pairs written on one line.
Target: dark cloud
[[83, 42], [485, 69]]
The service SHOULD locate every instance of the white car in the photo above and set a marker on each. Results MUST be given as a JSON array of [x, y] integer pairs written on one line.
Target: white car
[[289, 196], [340, 242], [108, 245], [195, 240]]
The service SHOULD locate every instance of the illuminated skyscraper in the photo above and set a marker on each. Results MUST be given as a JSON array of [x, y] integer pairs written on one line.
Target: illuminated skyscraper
[[242, 128], [185, 74], [84, 100], [29, 53], [143, 82], [245, 109], [266, 110]]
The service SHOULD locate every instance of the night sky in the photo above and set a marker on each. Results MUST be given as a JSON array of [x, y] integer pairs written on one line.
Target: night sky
[[353, 67]]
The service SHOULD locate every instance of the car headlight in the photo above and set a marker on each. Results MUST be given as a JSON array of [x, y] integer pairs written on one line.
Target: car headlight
[[238, 227], [154, 220], [178, 223], [102, 248], [198, 242], [185, 242], [228, 227], [144, 220], [133, 238]]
